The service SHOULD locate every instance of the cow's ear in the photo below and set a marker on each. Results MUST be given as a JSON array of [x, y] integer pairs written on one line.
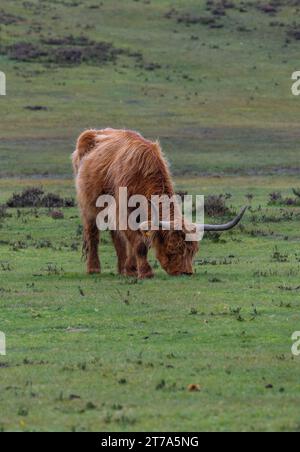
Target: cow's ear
[[189, 228]]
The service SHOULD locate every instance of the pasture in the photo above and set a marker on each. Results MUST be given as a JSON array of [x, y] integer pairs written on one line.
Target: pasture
[[105, 353]]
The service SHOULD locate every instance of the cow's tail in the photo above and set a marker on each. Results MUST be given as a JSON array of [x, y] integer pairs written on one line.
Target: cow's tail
[[85, 144]]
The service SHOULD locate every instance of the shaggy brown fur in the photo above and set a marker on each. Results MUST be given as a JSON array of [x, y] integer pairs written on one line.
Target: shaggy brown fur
[[106, 160]]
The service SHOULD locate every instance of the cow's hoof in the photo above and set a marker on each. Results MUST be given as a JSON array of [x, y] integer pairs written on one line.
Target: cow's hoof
[[130, 273], [94, 271]]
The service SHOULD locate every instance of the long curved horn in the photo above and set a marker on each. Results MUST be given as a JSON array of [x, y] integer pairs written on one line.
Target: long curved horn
[[224, 227]]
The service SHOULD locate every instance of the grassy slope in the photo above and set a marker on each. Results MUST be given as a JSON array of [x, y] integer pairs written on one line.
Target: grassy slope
[[243, 117], [115, 355]]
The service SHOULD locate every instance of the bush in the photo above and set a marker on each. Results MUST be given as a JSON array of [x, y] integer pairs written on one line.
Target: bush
[[276, 199], [70, 51], [30, 197], [215, 206], [36, 197]]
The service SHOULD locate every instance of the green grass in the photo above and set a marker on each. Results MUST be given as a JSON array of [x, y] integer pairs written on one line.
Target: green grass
[[129, 349], [103, 353]]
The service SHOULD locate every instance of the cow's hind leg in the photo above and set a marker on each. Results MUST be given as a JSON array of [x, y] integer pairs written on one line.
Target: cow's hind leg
[[91, 244]]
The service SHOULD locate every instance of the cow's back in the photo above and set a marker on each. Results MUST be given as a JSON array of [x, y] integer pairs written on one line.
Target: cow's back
[[121, 158]]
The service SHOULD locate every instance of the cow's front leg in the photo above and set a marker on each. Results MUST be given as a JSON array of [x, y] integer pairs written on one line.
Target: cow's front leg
[[127, 263], [120, 243], [144, 268], [131, 266], [139, 255], [90, 245]]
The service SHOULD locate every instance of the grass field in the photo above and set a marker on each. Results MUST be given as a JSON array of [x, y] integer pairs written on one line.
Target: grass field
[[103, 353]]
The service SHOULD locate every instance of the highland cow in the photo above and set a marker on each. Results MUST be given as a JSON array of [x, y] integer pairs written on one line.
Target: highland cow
[[108, 159]]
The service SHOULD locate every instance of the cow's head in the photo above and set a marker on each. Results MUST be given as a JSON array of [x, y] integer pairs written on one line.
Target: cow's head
[[174, 253], [173, 250]]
